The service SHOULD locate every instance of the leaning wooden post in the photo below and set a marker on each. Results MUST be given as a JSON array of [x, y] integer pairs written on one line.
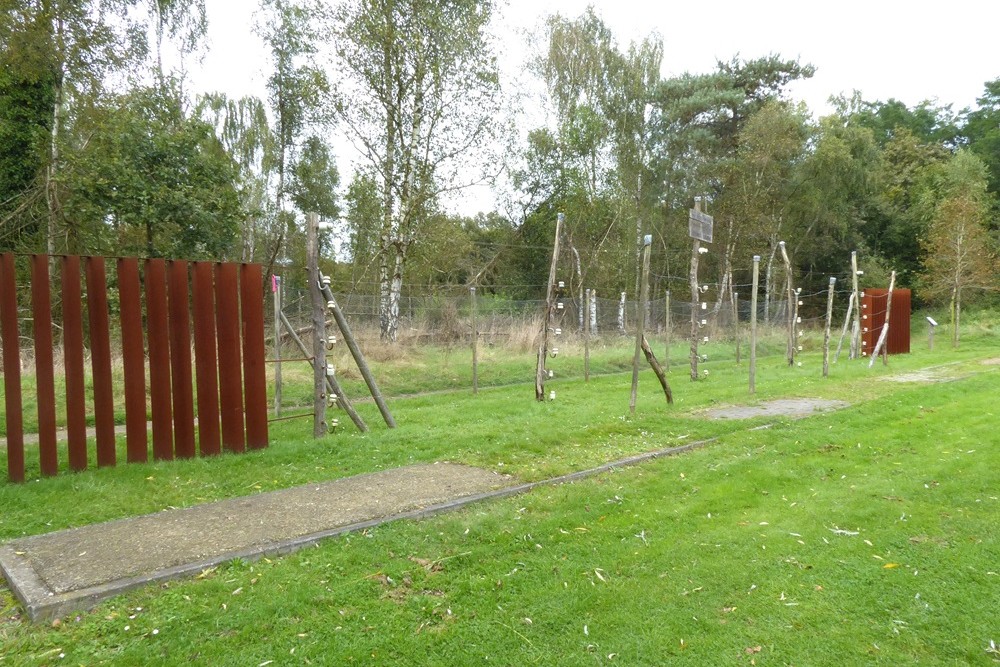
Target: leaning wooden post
[[543, 347], [790, 346], [319, 325], [586, 338], [884, 335], [475, 344], [856, 327], [843, 332], [753, 324], [666, 332], [826, 332], [359, 358], [647, 242], [331, 380]]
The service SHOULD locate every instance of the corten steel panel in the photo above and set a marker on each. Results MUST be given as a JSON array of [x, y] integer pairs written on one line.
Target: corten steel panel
[[873, 313], [11, 368], [133, 361], [158, 340], [76, 407], [899, 324], [100, 359], [41, 312], [255, 379], [206, 367], [180, 359], [227, 320]]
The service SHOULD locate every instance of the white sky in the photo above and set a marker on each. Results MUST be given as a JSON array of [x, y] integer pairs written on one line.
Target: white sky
[[908, 49], [911, 50]]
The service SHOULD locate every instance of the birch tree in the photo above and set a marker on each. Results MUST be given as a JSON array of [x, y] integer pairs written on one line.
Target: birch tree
[[419, 96]]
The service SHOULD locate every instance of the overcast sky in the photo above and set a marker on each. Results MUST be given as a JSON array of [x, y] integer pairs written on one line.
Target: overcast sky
[[909, 50]]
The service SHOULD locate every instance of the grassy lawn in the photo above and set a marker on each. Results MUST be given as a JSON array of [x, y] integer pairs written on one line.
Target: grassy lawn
[[866, 536]]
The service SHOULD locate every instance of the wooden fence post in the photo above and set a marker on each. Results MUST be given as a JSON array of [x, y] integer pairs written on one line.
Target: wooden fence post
[[736, 323], [276, 288], [826, 332], [856, 327], [641, 324], [543, 348], [753, 324], [695, 298], [586, 339], [666, 332], [792, 300], [319, 325], [475, 343]]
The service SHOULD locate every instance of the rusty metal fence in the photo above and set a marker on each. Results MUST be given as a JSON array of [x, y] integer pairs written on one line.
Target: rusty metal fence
[[161, 305], [873, 309]]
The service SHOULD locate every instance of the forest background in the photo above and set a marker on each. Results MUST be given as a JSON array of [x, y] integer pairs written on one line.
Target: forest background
[[106, 150]]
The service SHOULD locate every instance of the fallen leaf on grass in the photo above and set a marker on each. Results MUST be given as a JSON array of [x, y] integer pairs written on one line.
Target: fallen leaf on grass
[[750, 650], [889, 566]]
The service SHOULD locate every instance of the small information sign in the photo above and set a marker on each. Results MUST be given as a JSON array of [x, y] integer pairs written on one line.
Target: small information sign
[[700, 226]]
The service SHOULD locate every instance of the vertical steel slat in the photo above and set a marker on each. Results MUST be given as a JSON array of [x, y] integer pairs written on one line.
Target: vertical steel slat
[[41, 312], [158, 340], [206, 367], [180, 359], [11, 368], [100, 360], [134, 361], [76, 409], [254, 376], [227, 320]]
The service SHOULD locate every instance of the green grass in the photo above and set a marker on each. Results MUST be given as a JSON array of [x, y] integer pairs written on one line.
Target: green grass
[[698, 559]]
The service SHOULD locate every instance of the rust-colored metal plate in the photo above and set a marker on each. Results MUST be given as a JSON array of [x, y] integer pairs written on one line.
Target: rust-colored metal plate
[[11, 368], [41, 312], [254, 376], [180, 360], [76, 404], [134, 361], [158, 340], [100, 360], [206, 365], [227, 321]]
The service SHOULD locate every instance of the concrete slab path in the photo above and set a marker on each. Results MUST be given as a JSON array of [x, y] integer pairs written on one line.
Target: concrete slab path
[[69, 570]]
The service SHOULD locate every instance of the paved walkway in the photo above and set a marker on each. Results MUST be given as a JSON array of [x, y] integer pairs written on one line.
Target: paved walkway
[[72, 570], [75, 569]]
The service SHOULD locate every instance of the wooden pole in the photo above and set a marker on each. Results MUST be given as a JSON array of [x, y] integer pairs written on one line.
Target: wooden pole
[[695, 298], [826, 333], [319, 325], [657, 370], [475, 344], [666, 332], [930, 337], [736, 323], [641, 324], [753, 324], [843, 332], [856, 328], [331, 380], [359, 358], [586, 339], [884, 335], [543, 347], [277, 344], [790, 346]]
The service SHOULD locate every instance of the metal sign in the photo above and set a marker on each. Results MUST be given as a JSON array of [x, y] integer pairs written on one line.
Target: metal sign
[[700, 226]]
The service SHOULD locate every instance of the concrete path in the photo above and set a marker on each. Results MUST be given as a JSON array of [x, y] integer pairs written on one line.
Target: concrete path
[[69, 570], [73, 570]]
